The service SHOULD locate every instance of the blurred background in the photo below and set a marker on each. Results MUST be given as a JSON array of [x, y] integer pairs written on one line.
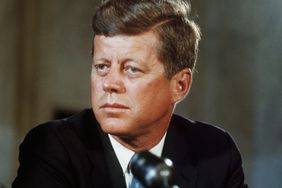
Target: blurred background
[[45, 66]]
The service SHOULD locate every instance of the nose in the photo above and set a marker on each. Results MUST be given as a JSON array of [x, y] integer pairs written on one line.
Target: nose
[[113, 82]]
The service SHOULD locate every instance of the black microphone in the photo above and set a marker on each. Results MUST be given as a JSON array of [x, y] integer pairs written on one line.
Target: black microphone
[[152, 171]]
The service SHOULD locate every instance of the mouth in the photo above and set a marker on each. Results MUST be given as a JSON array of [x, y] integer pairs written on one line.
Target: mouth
[[113, 106]]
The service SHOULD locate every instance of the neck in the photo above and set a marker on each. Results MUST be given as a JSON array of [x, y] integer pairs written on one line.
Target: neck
[[142, 142], [148, 138]]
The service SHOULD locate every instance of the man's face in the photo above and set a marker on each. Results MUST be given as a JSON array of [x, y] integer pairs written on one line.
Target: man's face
[[130, 94]]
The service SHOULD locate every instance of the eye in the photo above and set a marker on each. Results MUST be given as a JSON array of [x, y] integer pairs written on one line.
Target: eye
[[132, 71], [101, 68]]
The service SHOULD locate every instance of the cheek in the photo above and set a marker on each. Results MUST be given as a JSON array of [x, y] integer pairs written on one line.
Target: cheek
[[95, 89], [96, 83], [151, 94]]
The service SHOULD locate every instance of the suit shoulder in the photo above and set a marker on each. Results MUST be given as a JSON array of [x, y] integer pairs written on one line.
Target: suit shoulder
[[52, 125], [197, 127], [203, 135], [41, 134], [77, 127]]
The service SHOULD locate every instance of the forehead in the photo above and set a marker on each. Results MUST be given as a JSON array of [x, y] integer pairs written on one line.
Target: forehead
[[145, 41]]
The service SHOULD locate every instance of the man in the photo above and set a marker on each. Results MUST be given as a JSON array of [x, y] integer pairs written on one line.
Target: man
[[144, 53]]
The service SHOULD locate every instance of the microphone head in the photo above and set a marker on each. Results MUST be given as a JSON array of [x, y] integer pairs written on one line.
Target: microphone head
[[152, 171]]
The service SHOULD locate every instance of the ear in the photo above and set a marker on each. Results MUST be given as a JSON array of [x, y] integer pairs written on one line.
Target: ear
[[181, 84]]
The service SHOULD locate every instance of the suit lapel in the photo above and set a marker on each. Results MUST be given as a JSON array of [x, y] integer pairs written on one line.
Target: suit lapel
[[106, 168], [179, 149], [99, 172], [114, 167]]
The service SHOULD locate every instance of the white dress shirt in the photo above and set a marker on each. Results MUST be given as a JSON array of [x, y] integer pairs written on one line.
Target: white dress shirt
[[124, 155]]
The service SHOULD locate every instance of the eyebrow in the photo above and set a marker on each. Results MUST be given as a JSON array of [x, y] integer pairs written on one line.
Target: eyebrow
[[123, 61], [131, 59], [101, 59]]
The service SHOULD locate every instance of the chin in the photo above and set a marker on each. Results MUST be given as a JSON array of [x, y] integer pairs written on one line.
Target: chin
[[114, 128]]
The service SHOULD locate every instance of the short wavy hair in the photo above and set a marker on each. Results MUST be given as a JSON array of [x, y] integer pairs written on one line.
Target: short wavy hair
[[178, 35]]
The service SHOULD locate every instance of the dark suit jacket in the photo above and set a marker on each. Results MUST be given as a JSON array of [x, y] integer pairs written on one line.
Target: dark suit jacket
[[75, 153]]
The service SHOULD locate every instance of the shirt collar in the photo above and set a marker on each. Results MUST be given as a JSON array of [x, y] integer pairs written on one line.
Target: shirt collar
[[124, 154]]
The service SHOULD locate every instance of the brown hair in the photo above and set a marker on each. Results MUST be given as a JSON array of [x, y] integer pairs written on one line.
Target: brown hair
[[179, 36]]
